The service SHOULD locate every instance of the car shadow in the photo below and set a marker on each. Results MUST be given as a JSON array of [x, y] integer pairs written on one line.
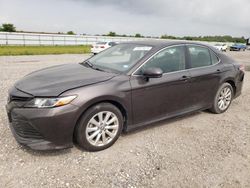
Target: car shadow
[[44, 152], [163, 123]]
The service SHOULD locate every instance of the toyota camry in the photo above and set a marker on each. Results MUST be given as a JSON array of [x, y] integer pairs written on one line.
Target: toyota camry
[[124, 87]]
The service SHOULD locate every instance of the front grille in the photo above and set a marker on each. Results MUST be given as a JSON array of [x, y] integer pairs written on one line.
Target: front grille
[[19, 99], [18, 102], [23, 128]]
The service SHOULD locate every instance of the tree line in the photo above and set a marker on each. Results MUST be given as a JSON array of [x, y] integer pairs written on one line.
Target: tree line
[[225, 38]]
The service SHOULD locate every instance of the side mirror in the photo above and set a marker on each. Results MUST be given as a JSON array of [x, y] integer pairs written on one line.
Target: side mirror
[[152, 72]]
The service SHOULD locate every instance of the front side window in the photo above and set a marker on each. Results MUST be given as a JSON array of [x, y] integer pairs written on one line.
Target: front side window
[[169, 60], [199, 56]]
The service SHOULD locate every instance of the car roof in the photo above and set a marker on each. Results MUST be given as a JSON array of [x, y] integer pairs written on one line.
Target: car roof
[[164, 43]]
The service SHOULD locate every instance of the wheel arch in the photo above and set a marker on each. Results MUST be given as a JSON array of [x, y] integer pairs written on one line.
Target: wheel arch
[[114, 102], [232, 83]]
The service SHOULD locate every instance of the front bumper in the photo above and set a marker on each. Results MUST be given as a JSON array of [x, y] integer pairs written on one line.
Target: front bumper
[[43, 129]]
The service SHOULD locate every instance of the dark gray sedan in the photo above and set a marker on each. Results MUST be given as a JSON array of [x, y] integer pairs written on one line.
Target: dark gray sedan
[[122, 88]]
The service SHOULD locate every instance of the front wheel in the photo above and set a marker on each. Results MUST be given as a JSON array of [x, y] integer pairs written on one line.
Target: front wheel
[[99, 127], [223, 99]]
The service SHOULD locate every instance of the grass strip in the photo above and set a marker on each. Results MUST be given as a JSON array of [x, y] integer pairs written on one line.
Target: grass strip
[[43, 50]]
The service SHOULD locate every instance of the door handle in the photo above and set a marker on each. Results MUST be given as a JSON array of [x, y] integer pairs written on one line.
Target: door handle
[[185, 78], [218, 71]]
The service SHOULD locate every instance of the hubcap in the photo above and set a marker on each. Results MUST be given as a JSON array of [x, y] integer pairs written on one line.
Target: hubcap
[[225, 98], [102, 128]]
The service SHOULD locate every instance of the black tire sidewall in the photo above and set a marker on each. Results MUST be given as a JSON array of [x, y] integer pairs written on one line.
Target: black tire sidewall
[[82, 125]]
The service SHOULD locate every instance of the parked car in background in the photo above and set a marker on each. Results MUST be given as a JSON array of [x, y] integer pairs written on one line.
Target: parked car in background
[[248, 44], [125, 87], [238, 47], [100, 46], [221, 47]]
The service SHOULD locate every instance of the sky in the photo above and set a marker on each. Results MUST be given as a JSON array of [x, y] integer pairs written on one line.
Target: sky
[[147, 17]]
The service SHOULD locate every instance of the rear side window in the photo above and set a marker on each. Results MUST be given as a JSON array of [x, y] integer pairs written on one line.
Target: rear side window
[[199, 56], [214, 58]]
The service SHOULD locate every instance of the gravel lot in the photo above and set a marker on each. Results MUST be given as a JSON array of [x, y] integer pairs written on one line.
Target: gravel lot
[[199, 150]]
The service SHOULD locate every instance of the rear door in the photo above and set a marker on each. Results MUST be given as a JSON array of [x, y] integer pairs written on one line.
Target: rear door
[[205, 69]]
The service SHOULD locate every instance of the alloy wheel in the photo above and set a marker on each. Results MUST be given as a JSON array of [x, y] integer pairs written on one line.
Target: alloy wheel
[[225, 98], [102, 128]]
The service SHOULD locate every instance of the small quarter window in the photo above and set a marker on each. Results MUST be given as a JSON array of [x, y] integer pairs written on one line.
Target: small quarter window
[[214, 58]]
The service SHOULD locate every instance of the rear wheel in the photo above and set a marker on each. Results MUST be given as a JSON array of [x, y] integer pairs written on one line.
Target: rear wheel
[[222, 99], [99, 127]]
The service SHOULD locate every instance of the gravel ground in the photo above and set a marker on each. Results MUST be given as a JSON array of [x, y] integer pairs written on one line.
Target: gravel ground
[[199, 150]]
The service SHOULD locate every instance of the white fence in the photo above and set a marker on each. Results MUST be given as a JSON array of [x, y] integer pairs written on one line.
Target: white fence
[[15, 38], [7, 38]]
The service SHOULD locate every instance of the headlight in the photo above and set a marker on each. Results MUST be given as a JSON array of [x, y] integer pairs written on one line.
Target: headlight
[[49, 102]]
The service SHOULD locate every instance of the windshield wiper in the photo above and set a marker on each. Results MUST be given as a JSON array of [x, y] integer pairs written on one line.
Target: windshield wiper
[[88, 63], [96, 68], [92, 66]]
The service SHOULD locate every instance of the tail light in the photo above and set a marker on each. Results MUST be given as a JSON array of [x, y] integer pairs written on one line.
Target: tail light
[[242, 68], [102, 47]]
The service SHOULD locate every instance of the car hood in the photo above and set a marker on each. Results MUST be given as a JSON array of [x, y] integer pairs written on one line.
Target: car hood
[[55, 80]]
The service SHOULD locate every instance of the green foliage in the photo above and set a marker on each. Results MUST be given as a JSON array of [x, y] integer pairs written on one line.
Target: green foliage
[[168, 37], [7, 27], [111, 34], [225, 38], [42, 50], [70, 33], [138, 35]]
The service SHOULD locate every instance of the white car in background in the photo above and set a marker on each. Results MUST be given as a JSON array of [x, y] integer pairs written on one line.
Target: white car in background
[[221, 47], [100, 46]]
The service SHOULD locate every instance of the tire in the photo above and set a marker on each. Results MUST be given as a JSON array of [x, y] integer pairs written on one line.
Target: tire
[[93, 134], [220, 98]]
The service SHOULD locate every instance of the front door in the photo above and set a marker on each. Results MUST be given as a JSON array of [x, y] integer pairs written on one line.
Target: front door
[[158, 98]]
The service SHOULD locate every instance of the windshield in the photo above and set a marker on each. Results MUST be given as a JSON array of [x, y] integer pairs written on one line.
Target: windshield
[[119, 58]]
